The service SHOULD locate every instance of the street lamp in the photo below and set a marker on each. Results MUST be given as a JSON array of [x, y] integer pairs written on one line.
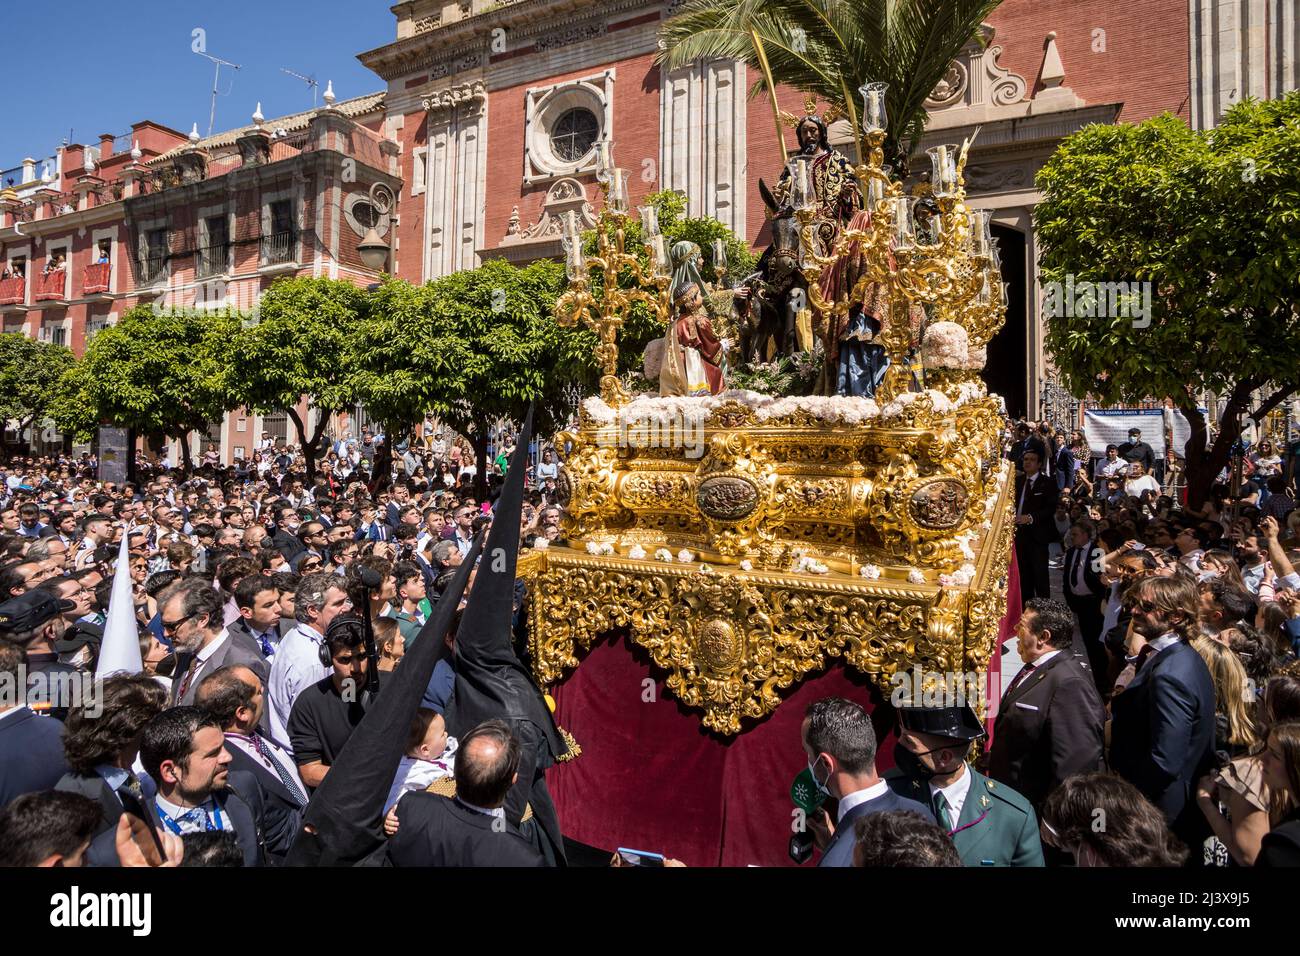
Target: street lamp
[[373, 249]]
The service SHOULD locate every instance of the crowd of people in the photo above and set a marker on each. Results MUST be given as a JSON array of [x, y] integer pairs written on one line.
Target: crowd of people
[[1160, 690], [249, 593]]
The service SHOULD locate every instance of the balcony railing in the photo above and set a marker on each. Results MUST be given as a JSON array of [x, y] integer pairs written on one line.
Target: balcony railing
[[213, 260], [96, 278], [13, 290], [151, 267], [278, 248], [51, 285]]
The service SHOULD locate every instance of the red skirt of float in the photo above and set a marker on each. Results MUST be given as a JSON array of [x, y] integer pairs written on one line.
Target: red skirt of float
[[650, 776]]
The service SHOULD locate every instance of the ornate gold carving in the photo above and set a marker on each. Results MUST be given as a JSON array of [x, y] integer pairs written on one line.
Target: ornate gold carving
[[726, 497], [939, 503]]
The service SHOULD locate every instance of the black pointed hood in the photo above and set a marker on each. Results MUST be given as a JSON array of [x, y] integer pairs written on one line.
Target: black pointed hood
[[490, 680], [346, 812]]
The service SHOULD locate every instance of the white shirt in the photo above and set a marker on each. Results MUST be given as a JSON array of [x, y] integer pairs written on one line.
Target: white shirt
[[295, 667], [955, 794], [194, 823], [1254, 577], [1135, 486], [279, 754], [1111, 469], [1163, 641], [851, 800]]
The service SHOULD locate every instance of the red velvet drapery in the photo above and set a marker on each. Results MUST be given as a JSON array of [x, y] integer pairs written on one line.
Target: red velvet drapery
[[652, 778]]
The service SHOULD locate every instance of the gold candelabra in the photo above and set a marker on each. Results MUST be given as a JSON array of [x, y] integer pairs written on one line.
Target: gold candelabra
[[604, 314], [953, 268]]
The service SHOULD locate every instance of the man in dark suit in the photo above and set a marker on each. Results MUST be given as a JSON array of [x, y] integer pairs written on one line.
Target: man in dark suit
[[1036, 497], [258, 599], [184, 752], [1050, 721], [237, 699], [31, 747], [469, 829], [1162, 729], [285, 540], [1084, 592], [191, 614], [840, 744]]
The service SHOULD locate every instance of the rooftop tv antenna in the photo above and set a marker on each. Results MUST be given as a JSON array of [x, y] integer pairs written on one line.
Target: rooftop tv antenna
[[309, 80], [216, 77]]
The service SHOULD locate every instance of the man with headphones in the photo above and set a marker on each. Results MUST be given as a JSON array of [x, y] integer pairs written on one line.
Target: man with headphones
[[325, 714]]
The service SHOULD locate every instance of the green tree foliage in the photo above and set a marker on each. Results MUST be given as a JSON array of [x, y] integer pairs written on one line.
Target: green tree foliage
[[1210, 221], [832, 47], [471, 348], [300, 345], [30, 377], [155, 373]]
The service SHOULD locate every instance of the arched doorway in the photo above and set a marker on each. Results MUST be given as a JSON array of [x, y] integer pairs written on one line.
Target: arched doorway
[[1008, 352]]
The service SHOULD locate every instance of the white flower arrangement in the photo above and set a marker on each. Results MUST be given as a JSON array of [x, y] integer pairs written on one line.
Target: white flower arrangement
[[964, 542], [636, 552], [916, 576], [977, 358], [807, 565], [945, 345], [599, 548], [869, 571], [541, 543], [663, 554], [668, 411], [968, 569], [957, 579], [747, 565], [685, 557]]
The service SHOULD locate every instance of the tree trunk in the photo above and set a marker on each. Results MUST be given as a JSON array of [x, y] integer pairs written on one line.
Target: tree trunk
[[26, 430], [381, 471], [480, 443], [1203, 465], [309, 444], [187, 462]]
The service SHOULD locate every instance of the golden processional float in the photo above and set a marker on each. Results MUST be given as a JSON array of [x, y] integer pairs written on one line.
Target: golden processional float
[[748, 541]]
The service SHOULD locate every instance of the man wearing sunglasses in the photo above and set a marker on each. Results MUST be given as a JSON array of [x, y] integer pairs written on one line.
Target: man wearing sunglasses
[[1162, 725], [192, 613]]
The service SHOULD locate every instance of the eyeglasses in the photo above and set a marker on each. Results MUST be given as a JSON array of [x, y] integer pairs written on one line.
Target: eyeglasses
[[169, 627], [1146, 607]]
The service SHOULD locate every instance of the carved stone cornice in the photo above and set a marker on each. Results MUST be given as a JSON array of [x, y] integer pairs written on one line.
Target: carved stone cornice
[[463, 94], [521, 20]]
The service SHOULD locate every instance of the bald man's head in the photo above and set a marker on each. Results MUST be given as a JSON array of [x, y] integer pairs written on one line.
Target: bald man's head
[[486, 765]]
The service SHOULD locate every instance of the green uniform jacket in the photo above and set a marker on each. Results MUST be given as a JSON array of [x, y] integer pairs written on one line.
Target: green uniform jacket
[[997, 826]]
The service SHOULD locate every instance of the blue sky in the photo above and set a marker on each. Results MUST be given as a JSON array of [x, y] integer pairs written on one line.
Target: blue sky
[[95, 67]]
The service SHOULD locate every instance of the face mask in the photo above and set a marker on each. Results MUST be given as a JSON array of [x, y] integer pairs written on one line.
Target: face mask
[[910, 763], [821, 785]]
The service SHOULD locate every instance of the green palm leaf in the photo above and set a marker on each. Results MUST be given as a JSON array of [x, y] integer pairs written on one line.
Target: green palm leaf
[[828, 47]]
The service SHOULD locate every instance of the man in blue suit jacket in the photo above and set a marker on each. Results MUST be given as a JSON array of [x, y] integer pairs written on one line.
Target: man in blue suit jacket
[[840, 745], [1162, 725], [31, 747]]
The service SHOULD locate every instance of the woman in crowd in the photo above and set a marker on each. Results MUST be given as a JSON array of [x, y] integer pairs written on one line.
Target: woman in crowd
[[1281, 763], [1134, 832], [1238, 802], [1234, 729]]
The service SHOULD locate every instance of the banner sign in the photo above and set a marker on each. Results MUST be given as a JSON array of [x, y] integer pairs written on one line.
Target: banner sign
[[1110, 426]]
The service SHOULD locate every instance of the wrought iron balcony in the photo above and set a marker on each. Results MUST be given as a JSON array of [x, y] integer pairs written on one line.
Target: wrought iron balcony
[[279, 248], [151, 267], [213, 260]]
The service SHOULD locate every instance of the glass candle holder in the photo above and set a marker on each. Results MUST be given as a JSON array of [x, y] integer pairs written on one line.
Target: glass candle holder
[[575, 263], [604, 159], [660, 261], [649, 221], [874, 118], [904, 234], [719, 257], [943, 170], [618, 191], [801, 189], [979, 242]]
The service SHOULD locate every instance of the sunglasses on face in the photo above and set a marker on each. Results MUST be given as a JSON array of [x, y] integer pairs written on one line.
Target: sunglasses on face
[[169, 627]]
